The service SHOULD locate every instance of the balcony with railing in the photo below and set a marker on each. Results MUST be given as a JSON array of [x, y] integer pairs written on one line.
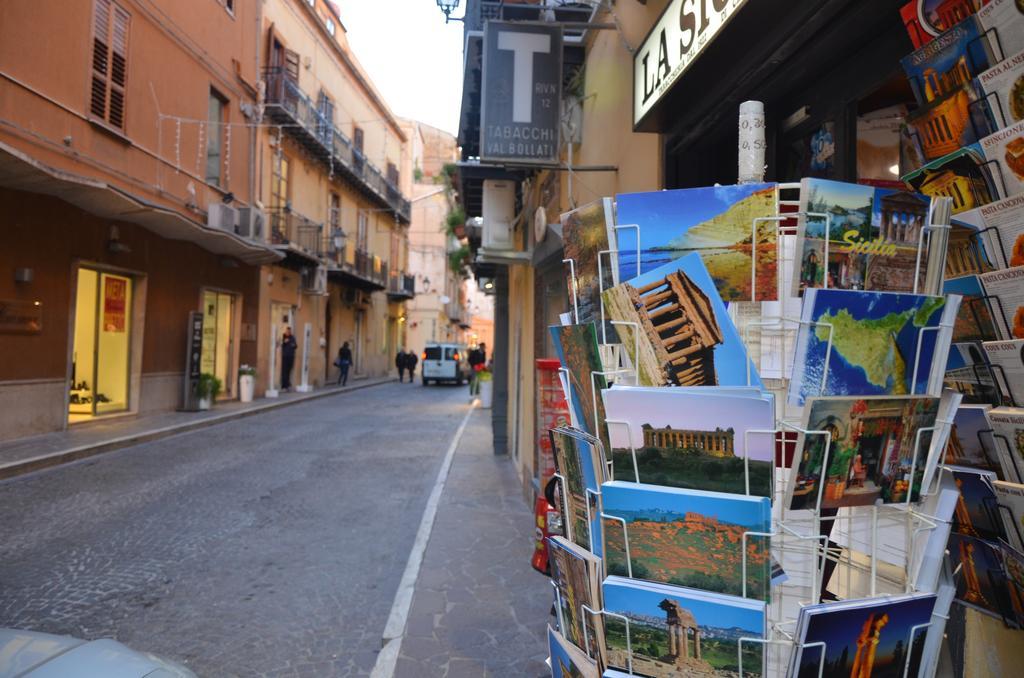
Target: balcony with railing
[[296, 235], [362, 270], [299, 116], [401, 286], [571, 12]]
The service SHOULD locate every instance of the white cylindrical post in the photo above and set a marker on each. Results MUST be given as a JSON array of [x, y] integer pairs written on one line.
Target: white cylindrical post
[[751, 143]]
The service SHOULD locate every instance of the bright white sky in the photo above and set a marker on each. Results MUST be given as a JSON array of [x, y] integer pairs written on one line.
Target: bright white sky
[[414, 59]]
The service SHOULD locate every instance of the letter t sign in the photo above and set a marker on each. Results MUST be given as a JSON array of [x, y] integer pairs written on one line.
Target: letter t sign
[[523, 46]]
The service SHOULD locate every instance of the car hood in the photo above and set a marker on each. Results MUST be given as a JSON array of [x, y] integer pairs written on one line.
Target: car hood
[[28, 654]]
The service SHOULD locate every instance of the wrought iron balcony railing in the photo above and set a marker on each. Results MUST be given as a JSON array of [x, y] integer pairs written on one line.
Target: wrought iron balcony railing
[[401, 285], [294, 108], [287, 228]]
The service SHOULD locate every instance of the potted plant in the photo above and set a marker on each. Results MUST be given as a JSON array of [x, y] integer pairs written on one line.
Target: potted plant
[[209, 387], [486, 387], [246, 383]]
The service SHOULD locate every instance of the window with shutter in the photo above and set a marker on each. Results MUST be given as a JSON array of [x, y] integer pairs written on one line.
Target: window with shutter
[[291, 65], [393, 173], [109, 62]]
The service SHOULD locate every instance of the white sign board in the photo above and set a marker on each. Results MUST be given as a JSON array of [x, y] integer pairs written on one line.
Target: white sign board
[[682, 32], [307, 332]]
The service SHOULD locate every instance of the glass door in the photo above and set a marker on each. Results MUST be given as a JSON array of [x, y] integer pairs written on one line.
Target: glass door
[[100, 352], [218, 339]]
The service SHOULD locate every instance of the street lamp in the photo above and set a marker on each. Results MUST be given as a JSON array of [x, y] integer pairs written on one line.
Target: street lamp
[[449, 6], [338, 239]]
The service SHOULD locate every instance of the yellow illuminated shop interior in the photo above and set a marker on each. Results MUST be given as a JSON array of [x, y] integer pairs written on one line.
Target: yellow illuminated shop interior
[[99, 359], [218, 310]]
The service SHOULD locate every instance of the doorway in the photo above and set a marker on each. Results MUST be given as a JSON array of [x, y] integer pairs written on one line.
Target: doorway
[[218, 338], [100, 350], [281, 316]]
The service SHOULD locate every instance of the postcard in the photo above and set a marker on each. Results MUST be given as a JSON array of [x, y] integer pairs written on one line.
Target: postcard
[[872, 240], [1007, 426], [974, 321], [947, 62], [962, 175], [1010, 502], [579, 461], [976, 513], [567, 660], [1003, 225], [1013, 569], [585, 235], [927, 19], [676, 631], [687, 537], [968, 444], [718, 222], [1007, 367], [873, 453], [871, 343], [576, 574], [971, 246], [1007, 286], [1002, 88], [980, 582], [700, 440], [685, 336], [1004, 150], [969, 373], [870, 637], [946, 123], [1004, 18], [576, 347]]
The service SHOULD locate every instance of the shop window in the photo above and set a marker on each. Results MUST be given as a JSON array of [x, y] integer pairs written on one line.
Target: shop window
[[218, 338], [216, 140], [109, 62], [100, 353]]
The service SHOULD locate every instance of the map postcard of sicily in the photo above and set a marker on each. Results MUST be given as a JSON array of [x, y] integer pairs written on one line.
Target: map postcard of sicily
[[876, 340]]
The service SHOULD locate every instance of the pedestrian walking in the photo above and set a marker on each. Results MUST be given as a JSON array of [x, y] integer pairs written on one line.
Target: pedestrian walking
[[410, 364], [477, 362], [400, 361], [288, 348], [343, 362]]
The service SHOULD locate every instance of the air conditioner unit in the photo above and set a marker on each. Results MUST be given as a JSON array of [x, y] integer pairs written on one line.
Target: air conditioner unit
[[350, 296], [251, 223], [222, 217], [314, 280], [499, 211]]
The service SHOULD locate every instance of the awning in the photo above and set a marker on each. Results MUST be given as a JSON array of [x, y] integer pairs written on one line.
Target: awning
[[23, 173]]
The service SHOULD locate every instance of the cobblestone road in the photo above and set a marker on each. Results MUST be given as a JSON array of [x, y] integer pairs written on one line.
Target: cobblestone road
[[268, 546]]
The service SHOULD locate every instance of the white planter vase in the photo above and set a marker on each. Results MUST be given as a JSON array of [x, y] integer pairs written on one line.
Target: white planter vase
[[246, 387], [205, 403], [486, 394]]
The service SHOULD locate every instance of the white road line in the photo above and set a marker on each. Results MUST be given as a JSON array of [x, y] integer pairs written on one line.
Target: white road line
[[395, 628]]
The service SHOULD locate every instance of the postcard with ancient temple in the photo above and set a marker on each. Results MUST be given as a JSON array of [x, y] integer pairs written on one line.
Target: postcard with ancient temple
[[962, 175], [974, 321], [870, 637], [941, 66], [1007, 426], [1010, 502], [567, 660], [691, 439], [685, 336], [945, 124], [874, 452], [687, 537], [675, 631], [720, 223], [576, 347], [1006, 361], [980, 582], [578, 459], [969, 444], [871, 236], [1002, 88], [869, 343], [1007, 286], [977, 513], [584, 237], [577, 575]]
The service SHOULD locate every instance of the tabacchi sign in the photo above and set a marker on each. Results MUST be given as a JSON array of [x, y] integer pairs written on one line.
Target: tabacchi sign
[[682, 32], [522, 92]]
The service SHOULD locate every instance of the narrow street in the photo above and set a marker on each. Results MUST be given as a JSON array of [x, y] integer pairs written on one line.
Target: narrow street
[[271, 545]]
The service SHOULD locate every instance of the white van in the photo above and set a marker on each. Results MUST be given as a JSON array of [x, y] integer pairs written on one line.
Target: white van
[[445, 362]]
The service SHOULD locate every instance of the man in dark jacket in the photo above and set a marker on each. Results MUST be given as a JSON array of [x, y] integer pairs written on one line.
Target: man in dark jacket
[[343, 362], [410, 364], [288, 348], [477, 361], [400, 361]]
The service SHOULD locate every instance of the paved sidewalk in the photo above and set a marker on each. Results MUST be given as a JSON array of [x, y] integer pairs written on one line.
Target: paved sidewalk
[[80, 441], [479, 609]]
